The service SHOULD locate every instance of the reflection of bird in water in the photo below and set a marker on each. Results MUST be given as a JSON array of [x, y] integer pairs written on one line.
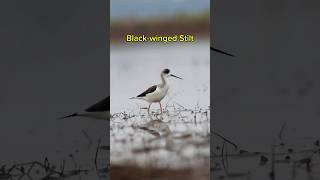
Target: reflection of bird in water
[[219, 51], [100, 110], [157, 128], [157, 92]]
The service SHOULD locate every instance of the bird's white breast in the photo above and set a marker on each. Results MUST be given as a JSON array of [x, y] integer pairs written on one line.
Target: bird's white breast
[[158, 94]]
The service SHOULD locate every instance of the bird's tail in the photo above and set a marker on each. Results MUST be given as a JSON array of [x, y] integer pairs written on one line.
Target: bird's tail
[[141, 98], [71, 115]]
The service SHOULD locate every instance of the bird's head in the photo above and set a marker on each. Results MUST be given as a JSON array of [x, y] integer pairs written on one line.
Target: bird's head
[[166, 73]]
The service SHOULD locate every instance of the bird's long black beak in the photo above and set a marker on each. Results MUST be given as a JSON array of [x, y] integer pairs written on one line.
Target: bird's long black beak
[[219, 51], [72, 115], [175, 76]]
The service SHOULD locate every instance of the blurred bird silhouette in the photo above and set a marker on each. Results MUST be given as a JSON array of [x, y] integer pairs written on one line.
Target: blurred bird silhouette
[[220, 51], [100, 110]]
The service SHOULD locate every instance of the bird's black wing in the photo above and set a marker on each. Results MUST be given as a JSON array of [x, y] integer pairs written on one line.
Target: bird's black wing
[[219, 51], [103, 105], [149, 90]]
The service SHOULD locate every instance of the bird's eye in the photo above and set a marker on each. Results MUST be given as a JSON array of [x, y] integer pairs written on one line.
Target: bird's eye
[[166, 71]]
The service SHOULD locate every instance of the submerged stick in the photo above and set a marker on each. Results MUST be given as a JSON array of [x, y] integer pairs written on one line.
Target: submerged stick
[[96, 155], [281, 132], [225, 139]]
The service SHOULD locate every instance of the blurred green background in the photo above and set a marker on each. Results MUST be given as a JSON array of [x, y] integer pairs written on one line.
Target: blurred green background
[[159, 17]]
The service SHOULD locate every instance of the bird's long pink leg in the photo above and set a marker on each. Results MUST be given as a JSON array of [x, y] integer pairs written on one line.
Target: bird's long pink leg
[[149, 109], [160, 107]]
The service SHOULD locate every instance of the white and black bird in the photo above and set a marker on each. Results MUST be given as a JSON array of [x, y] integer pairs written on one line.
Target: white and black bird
[[100, 110], [156, 93]]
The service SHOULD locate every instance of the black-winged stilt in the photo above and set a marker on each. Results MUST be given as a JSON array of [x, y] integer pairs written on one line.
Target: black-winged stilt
[[156, 93]]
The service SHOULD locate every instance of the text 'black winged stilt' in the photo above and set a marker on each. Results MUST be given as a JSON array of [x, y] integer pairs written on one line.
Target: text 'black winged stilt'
[[100, 110], [156, 93]]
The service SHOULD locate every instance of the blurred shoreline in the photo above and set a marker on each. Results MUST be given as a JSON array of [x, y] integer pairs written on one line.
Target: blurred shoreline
[[197, 25]]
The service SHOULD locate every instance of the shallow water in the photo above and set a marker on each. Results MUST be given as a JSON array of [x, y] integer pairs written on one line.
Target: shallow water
[[40, 91], [135, 68], [179, 138], [271, 81]]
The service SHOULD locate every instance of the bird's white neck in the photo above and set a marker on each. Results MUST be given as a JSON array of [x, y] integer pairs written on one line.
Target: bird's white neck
[[164, 80]]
